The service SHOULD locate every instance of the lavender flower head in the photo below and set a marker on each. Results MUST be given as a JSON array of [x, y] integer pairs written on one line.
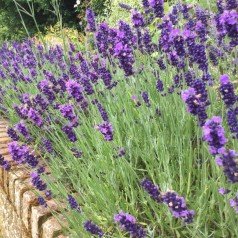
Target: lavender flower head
[[234, 203], [228, 163], [214, 134], [152, 189], [12, 134], [128, 223], [106, 129], [23, 130], [17, 151], [73, 203], [227, 91], [93, 228], [177, 205], [137, 19], [90, 16]]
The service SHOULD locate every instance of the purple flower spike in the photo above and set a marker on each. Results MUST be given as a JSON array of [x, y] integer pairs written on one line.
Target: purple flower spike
[[42, 201], [73, 203], [214, 134], [128, 223], [224, 191], [228, 163], [23, 130], [93, 228], [234, 203], [152, 189], [227, 91], [90, 16], [137, 19], [12, 134], [177, 205], [158, 7], [106, 129], [4, 163], [35, 117]]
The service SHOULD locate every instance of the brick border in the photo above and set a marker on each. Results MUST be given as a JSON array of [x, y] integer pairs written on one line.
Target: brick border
[[20, 214]]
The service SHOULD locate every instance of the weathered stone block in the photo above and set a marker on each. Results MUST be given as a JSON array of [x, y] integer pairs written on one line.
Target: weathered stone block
[[29, 199], [39, 215], [20, 188]]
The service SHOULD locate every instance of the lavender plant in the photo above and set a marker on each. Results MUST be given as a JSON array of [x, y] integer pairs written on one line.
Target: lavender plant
[[104, 120]]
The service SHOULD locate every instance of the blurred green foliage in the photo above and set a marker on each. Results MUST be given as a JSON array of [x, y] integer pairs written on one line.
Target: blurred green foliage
[[11, 27]]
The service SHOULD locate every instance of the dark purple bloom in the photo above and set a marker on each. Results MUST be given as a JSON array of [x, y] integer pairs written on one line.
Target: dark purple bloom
[[161, 64], [77, 153], [4, 163], [177, 205], [37, 182], [35, 117], [31, 160], [122, 152], [125, 56], [145, 3], [73, 203], [68, 130], [48, 194], [41, 170], [48, 146], [128, 223], [158, 7], [42, 201], [152, 189], [228, 163], [106, 129], [220, 6], [93, 228], [18, 152], [146, 99], [137, 19], [22, 129], [12, 134], [214, 134], [90, 16], [47, 89], [232, 121], [231, 4], [196, 100], [125, 6], [75, 90], [227, 91], [67, 112], [102, 111]]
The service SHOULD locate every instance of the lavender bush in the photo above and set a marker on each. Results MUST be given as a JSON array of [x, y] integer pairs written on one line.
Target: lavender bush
[[155, 99]]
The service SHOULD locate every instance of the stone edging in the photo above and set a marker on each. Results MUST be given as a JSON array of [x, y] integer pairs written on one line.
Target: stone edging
[[20, 214]]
